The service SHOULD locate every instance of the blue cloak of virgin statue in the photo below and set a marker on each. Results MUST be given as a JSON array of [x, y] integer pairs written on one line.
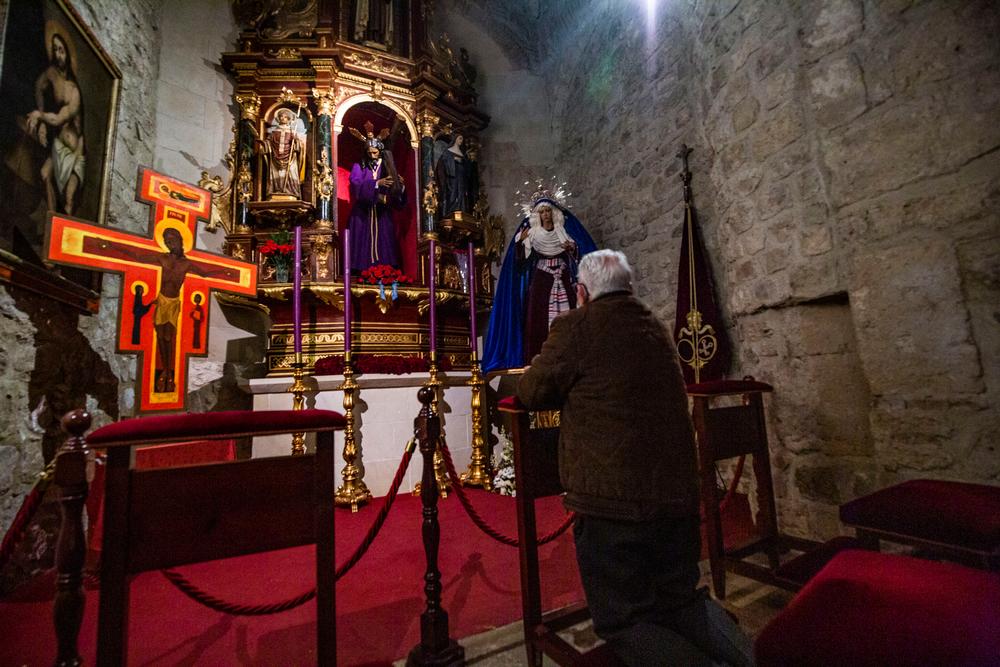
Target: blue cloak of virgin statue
[[504, 344]]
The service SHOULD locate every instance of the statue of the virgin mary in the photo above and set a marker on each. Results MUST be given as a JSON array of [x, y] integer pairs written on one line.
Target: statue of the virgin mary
[[536, 282]]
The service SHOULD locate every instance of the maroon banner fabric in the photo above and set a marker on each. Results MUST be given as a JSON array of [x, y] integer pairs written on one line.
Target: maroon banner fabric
[[699, 331]]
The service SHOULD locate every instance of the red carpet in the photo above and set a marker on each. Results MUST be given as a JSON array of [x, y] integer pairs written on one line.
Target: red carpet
[[378, 602]]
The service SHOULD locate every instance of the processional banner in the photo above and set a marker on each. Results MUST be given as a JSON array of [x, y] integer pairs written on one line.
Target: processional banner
[[166, 283], [699, 331]]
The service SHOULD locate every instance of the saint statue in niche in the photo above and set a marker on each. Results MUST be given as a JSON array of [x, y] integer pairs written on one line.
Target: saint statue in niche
[[374, 23], [284, 152], [376, 190], [536, 283], [452, 174]]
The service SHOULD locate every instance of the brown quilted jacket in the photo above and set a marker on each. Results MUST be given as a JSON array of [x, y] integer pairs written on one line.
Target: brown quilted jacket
[[626, 446]]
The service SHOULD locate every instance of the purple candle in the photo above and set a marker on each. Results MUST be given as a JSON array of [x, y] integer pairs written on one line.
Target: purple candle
[[432, 261], [346, 261], [472, 299], [297, 294]]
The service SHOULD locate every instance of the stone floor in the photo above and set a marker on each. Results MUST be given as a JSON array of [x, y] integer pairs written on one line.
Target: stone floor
[[753, 603]]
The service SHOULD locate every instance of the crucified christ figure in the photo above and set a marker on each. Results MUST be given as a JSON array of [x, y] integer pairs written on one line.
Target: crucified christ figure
[[175, 267]]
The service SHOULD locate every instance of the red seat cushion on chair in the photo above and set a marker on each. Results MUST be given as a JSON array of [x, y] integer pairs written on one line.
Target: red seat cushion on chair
[[955, 513], [869, 608], [213, 425], [726, 387]]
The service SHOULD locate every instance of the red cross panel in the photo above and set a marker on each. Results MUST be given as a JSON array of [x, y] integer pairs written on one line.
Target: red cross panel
[[166, 283]]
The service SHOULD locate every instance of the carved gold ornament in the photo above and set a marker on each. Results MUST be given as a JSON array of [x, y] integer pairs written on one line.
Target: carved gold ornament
[[430, 199], [249, 106], [427, 123], [220, 216], [325, 102], [289, 96], [374, 63], [286, 53]]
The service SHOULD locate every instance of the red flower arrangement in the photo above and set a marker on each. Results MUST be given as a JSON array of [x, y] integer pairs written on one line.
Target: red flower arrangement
[[279, 250], [379, 363], [383, 274]]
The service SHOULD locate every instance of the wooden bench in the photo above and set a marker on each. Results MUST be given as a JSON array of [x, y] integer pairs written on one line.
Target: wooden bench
[[730, 431], [955, 519], [162, 518]]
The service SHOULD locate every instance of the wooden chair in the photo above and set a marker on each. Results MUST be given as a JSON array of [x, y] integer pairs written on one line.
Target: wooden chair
[[726, 432], [536, 475], [162, 518]]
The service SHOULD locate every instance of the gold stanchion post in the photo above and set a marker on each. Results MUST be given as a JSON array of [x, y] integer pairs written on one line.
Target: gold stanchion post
[[480, 467], [354, 490]]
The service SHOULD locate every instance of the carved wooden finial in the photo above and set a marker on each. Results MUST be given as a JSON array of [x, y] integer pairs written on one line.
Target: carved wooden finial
[[426, 396], [76, 422]]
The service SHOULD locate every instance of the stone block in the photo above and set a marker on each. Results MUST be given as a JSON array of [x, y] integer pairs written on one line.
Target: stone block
[[912, 322], [816, 278], [830, 24], [979, 262], [745, 114], [837, 90], [777, 88], [782, 126]]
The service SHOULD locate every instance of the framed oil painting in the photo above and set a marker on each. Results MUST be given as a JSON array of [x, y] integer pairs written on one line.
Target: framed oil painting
[[60, 95]]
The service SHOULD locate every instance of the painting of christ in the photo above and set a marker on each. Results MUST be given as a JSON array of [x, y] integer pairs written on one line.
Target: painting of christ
[[57, 124]]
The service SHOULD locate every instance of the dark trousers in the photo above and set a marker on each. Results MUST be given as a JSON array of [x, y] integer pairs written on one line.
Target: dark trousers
[[641, 582]]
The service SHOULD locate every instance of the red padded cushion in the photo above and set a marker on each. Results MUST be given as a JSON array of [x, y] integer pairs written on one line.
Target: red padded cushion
[[955, 513], [510, 404], [723, 387], [868, 608], [213, 425]]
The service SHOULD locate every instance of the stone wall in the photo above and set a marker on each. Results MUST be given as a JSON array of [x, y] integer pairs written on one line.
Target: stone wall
[[54, 359], [194, 118], [847, 176]]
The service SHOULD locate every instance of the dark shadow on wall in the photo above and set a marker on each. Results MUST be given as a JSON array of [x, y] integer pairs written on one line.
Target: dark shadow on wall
[[66, 370]]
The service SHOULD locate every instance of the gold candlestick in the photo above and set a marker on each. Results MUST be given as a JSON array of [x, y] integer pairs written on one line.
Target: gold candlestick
[[354, 490], [298, 390], [480, 468]]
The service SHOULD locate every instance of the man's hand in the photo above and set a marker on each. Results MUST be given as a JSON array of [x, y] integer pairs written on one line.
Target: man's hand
[[384, 182]]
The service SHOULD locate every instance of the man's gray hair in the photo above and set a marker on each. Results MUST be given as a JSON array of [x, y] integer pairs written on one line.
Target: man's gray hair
[[604, 271]]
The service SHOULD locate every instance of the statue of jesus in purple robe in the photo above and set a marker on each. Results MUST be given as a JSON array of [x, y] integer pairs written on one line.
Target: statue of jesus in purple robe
[[375, 193]]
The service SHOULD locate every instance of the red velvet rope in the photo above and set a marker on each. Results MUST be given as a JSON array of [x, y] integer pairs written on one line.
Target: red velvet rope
[[479, 521], [731, 491], [23, 518], [198, 595]]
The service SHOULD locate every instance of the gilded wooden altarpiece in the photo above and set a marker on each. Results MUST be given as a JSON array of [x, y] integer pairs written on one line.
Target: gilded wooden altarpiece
[[330, 67]]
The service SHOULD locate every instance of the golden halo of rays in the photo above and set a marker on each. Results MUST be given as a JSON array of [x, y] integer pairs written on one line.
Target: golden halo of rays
[[198, 293], [187, 239], [139, 283], [53, 28]]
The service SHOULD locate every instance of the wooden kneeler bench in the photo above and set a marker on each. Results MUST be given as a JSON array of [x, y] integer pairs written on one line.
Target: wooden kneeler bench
[[536, 475], [729, 431], [162, 518], [957, 520]]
